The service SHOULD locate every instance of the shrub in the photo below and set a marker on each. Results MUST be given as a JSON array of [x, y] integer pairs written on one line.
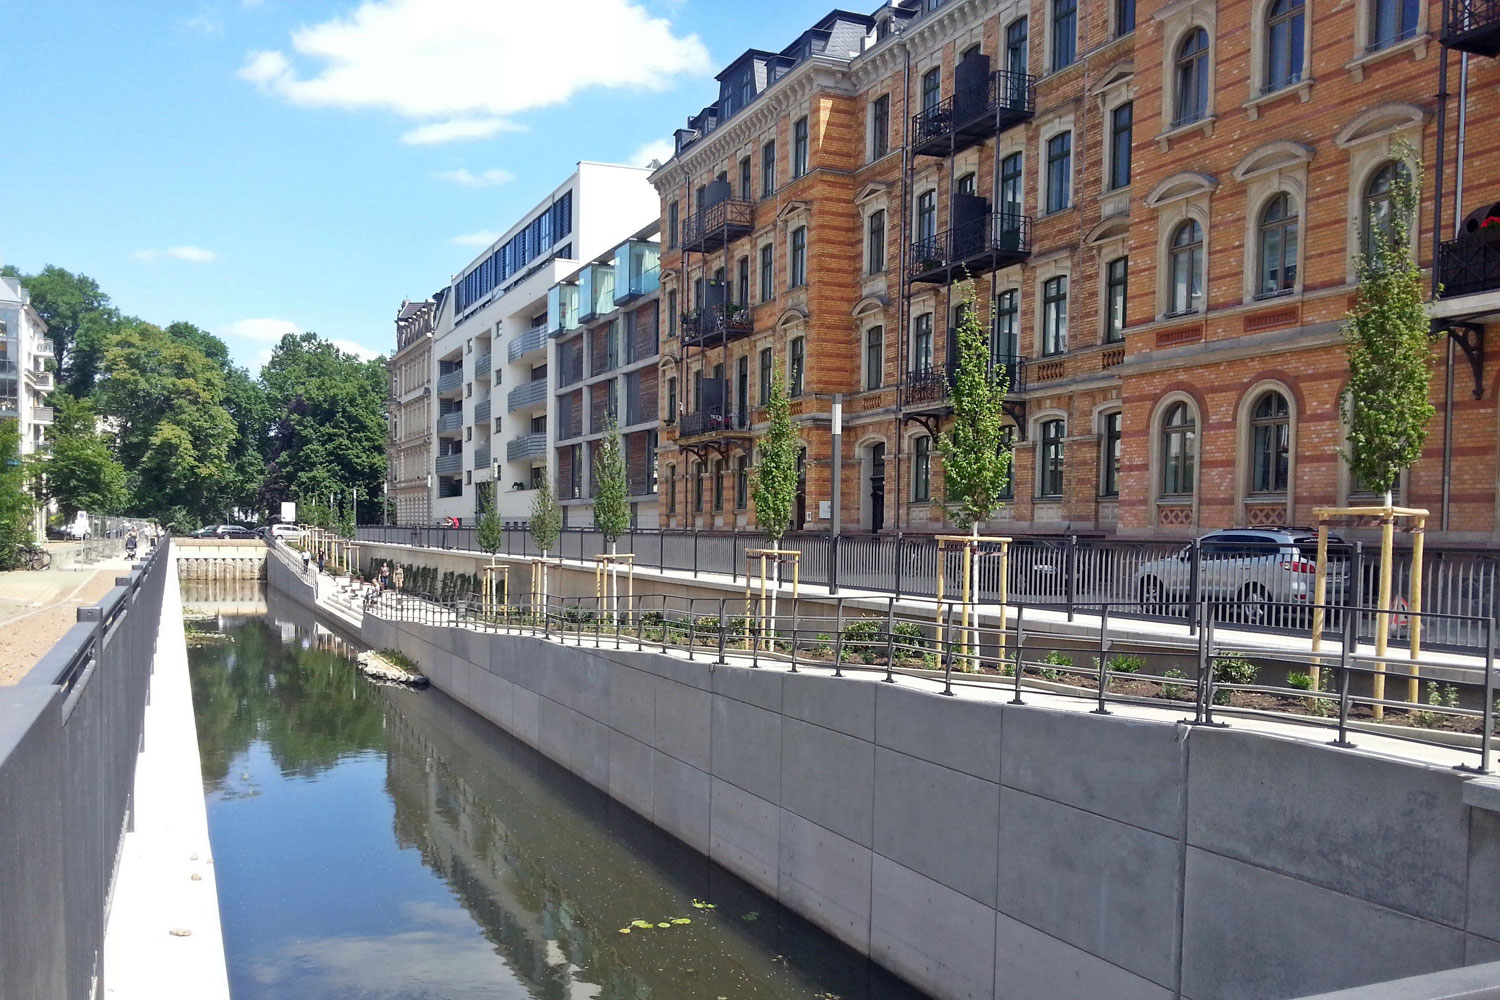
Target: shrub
[[1300, 681], [1055, 658], [861, 639], [1175, 692], [1438, 696], [1125, 663], [1232, 668], [822, 645]]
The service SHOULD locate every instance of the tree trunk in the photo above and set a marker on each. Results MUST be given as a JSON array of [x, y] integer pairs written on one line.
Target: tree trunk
[[974, 593]]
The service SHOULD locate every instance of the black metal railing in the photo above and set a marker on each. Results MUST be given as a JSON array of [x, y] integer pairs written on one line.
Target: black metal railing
[[714, 225], [1473, 26], [715, 323], [714, 420], [1469, 264], [987, 243], [969, 116]]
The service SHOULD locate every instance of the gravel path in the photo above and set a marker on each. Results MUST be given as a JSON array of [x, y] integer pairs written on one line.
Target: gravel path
[[37, 609]]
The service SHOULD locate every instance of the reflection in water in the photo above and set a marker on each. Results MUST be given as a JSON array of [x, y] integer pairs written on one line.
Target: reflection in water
[[376, 843]]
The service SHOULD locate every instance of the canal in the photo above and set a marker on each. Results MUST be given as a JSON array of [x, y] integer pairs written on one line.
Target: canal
[[377, 843]]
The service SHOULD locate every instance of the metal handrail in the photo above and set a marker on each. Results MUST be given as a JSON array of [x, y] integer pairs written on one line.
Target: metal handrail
[[1005, 96]]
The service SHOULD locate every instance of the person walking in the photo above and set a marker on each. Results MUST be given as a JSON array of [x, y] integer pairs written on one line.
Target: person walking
[[385, 576], [396, 577], [306, 562], [320, 562], [130, 543]]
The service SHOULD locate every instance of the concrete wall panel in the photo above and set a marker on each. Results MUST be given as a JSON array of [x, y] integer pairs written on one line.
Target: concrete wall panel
[[942, 940], [1484, 874], [847, 708], [826, 878], [632, 704], [829, 778], [680, 801], [745, 835], [757, 687], [1030, 965], [747, 747], [938, 821], [963, 735], [683, 722]]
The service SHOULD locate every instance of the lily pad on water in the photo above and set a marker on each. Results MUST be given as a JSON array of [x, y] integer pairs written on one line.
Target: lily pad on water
[[681, 920], [624, 930], [699, 904], [664, 924], [644, 925], [752, 915]]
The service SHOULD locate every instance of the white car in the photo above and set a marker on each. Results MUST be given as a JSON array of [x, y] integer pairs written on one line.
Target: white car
[[285, 532], [78, 530]]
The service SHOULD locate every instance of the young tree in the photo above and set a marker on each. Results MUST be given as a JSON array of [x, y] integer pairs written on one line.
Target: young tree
[[81, 473], [774, 488], [491, 530], [546, 524], [15, 500], [1389, 343], [611, 490]]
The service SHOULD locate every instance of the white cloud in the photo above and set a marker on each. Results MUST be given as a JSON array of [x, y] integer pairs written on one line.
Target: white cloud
[[463, 69], [480, 239], [260, 328], [656, 149], [358, 350], [192, 254], [466, 178]]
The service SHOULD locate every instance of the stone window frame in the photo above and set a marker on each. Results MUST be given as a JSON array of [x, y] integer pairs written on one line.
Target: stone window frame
[[1370, 139], [1301, 83], [926, 186], [1363, 56], [1118, 89], [1050, 129], [1036, 421], [1008, 283], [1178, 198], [1042, 271], [1245, 439], [1101, 412], [1269, 170], [871, 155], [1176, 22], [869, 201], [1156, 461], [1109, 241], [909, 439]]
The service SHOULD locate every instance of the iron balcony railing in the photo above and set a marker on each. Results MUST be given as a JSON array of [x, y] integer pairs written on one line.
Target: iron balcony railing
[[450, 421], [1468, 265], [1473, 26], [449, 465], [482, 365], [712, 227], [448, 381], [481, 457], [716, 324], [526, 394], [525, 447], [1003, 100], [988, 243], [933, 384], [46, 346], [482, 412], [527, 343], [714, 420]]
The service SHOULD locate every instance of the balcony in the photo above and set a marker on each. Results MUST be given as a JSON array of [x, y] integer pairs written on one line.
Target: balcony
[[482, 365], [530, 342], [41, 415], [40, 380], [1468, 265], [929, 389], [450, 381], [482, 412], [1473, 26], [46, 346], [637, 270], [1001, 101], [716, 325], [482, 457], [596, 291], [447, 423], [714, 227], [526, 447], [449, 465], [714, 420], [527, 396], [562, 308], [988, 243]]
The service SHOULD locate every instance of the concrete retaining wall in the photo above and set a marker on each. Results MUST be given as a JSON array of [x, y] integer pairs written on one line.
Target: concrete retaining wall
[[986, 850], [216, 559]]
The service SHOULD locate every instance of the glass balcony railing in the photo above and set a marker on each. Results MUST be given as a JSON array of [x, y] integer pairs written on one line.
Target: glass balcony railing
[[527, 343], [482, 412], [482, 365], [41, 414], [481, 457], [637, 270], [562, 308], [596, 291]]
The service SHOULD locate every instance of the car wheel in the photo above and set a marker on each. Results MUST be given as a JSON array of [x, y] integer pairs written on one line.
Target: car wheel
[[1254, 605], [1152, 597]]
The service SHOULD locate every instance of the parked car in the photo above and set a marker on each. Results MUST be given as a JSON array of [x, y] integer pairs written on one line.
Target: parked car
[[207, 531], [284, 532], [232, 531], [1256, 572], [78, 530]]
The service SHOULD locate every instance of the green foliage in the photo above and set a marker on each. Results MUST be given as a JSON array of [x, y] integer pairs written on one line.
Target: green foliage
[[1443, 696], [15, 500], [774, 485], [1232, 668], [546, 515], [611, 489], [863, 639], [82, 472], [1175, 692], [1389, 343], [1055, 658], [1125, 663], [976, 463], [1299, 680], [491, 531], [69, 304]]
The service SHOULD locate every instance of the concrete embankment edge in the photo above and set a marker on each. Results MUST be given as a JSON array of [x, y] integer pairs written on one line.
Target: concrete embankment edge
[[988, 850]]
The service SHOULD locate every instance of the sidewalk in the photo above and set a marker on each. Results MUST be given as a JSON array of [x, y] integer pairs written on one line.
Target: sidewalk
[[37, 607]]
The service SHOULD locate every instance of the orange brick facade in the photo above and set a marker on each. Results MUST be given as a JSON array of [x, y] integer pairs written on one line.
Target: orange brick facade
[[1310, 132]]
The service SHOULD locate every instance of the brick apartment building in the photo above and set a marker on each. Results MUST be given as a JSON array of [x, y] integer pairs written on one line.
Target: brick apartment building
[[1159, 206], [408, 446]]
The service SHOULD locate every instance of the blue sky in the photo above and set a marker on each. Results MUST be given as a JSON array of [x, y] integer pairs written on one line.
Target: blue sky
[[255, 165]]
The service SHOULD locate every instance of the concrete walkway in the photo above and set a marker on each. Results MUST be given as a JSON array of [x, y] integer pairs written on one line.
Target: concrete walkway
[[163, 939]]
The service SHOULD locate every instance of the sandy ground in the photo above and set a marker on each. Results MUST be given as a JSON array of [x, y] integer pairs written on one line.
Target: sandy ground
[[38, 607]]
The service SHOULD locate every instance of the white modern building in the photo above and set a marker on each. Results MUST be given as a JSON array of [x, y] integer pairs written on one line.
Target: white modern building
[[26, 356], [490, 346]]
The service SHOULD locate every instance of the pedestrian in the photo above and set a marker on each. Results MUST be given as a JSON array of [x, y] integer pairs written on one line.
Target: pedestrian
[[320, 562], [396, 577], [130, 543], [306, 562], [385, 576]]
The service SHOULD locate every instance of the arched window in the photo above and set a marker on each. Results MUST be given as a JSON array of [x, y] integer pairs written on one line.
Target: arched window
[[1050, 473], [1192, 79], [1270, 444], [1178, 430], [1379, 204], [1284, 42], [1278, 246], [1186, 269]]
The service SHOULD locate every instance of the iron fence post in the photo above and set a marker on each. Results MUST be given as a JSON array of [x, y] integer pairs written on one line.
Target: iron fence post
[[692, 630], [1351, 635], [695, 555], [795, 609], [734, 552], [1196, 609], [1202, 682], [1103, 658], [838, 642], [898, 563], [890, 639], [1358, 583], [1020, 641], [948, 656], [1212, 679], [721, 631], [1070, 564], [1489, 695], [833, 564]]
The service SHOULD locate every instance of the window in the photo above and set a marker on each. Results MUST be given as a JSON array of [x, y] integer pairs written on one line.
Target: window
[[932, 88], [765, 375], [1191, 79], [672, 313], [1270, 444], [768, 169], [1016, 54], [671, 400], [744, 178], [1055, 315], [1124, 17], [875, 242], [921, 469], [874, 356], [1008, 445], [1116, 289], [1050, 465], [1392, 21], [799, 147], [1109, 476], [880, 127], [741, 482], [1185, 276], [926, 217], [1284, 40], [965, 184], [1064, 33], [1380, 205], [718, 474], [767, 290], [698, 488], [1005, 334], [1177, 432], [671, 489], [1059, 171], [795, 358], [742, 282], [797, 266], [921, 344], [1119, 145], [1278, 246], [1010, 185]]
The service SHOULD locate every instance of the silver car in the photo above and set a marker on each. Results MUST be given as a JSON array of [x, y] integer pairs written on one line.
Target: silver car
[[1262, 575]]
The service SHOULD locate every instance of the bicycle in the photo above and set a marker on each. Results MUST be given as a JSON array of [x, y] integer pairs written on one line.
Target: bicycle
[[34, 557]]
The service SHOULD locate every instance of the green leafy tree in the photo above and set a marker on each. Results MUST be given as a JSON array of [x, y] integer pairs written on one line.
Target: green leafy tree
[[1389, 343], [774, 487], [546, 515], [82, 473], [611, 489], [15, 499], [66, 302], [976, 462], [491, 530]]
